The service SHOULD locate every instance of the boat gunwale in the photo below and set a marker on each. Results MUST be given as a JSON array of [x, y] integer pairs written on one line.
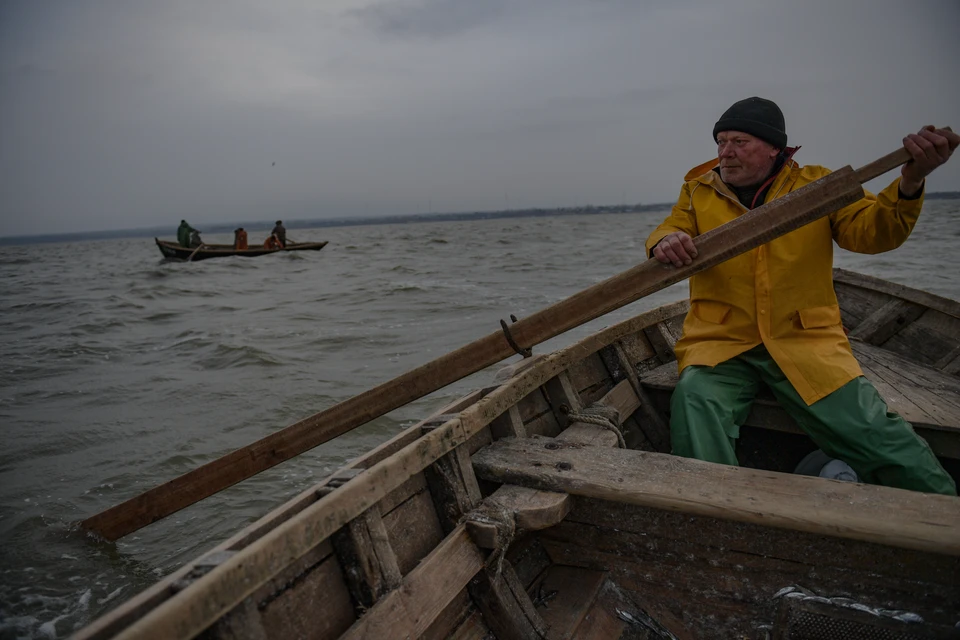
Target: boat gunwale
[[226, 250]]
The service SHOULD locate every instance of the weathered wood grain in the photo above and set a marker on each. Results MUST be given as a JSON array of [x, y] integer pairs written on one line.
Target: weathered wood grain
[[926, 522], [413, 529], [945, 305], [563, 398], [650, 421], [424, 594], [885, 322], [533, 510], [506, 607], [574, 591], [367, 559]]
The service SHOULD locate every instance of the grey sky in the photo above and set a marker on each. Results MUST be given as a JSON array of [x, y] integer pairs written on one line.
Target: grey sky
[[132, 114]]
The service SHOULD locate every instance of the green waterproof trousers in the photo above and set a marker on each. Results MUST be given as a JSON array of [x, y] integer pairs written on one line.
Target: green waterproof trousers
[[851, 424]]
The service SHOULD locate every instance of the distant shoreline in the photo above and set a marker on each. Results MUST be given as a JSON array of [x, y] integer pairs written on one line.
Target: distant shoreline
[[169, 231], [228, 227]]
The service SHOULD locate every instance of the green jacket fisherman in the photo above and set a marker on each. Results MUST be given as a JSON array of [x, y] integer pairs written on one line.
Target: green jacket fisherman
[[771, 315], [183, 233]]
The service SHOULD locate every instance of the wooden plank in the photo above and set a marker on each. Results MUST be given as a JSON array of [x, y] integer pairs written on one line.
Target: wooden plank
[[945, 305], [590, 378], [720, 595], [861, 512], [426, 591], [516, 368], [651, 423], [703, 567], [415, 484], [662, 341], [623, 399], [369, 564], [747, 231], [950, 362], [533, 406], [644, 620], [574, 592], [529, 559], [646, 532], [601, 623], [243, 623], [937, 393], [413, 530], [535, 510], [508, 425], [857, 303], [887, 321], [453, 487], [531, 510], [637, 348], [926, 339], [293, 610], [473, 628], [563, 398], [506, 607], [453, 615], [895, 393]]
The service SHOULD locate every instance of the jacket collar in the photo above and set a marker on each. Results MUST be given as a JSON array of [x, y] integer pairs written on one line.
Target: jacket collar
[[705, 174]]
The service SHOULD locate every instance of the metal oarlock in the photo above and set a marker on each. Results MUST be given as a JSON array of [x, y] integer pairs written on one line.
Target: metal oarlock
[[526, 353]]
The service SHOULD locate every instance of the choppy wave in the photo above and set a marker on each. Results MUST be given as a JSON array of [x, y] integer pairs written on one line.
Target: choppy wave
[[228, 356]]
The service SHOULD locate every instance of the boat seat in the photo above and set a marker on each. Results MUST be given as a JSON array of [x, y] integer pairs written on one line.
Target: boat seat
[[927, 398]]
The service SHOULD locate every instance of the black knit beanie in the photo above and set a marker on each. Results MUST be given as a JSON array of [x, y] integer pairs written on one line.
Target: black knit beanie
[[756, 116]]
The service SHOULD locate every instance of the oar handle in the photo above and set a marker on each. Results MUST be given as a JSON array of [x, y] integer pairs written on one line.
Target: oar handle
[[886, 163]]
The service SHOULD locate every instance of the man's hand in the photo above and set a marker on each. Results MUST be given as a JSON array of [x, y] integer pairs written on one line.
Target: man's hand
[[676, 249], [930, 148]]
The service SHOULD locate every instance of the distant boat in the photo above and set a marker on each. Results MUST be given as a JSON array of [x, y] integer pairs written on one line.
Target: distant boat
[[174, 250]]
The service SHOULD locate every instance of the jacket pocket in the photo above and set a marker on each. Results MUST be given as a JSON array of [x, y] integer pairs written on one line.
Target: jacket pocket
[[818, 317], [711, 311]]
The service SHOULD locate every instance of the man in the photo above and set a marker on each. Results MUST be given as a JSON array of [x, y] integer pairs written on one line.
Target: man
[[240, 238], [280, 233], [183, 233], [771, 315]]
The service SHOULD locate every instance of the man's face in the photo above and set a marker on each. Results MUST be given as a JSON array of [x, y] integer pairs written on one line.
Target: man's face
[[745, 160]]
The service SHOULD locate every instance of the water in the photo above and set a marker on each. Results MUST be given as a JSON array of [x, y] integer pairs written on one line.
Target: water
[[120, 371]]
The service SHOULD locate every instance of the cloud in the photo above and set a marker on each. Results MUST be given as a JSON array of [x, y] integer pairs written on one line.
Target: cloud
[[135, 114], [430, 18]]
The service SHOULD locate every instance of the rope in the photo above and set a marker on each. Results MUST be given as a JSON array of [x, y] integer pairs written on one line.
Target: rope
[[602, 416], [492, 512]]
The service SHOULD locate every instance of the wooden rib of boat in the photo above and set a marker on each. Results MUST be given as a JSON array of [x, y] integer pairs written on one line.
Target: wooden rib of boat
[[206, 251], [513, 513]]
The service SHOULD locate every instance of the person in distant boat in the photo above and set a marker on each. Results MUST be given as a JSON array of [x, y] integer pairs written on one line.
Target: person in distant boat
[[195, 240], [239, 238], [183, 233], [771, 315], [280, 233], [272, 242]]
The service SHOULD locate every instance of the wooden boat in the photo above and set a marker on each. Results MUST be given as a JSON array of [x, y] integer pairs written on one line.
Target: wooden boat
[[547, 506], [175, 250]]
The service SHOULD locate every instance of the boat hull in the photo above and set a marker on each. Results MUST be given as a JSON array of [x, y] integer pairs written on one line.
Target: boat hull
[[173, 250], [508, 513]]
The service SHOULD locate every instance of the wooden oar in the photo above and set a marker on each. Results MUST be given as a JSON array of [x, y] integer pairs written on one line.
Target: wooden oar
[[750, 230], [200, 246]]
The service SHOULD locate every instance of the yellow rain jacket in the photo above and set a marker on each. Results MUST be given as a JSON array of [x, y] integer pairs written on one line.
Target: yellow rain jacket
[[780, 294]]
